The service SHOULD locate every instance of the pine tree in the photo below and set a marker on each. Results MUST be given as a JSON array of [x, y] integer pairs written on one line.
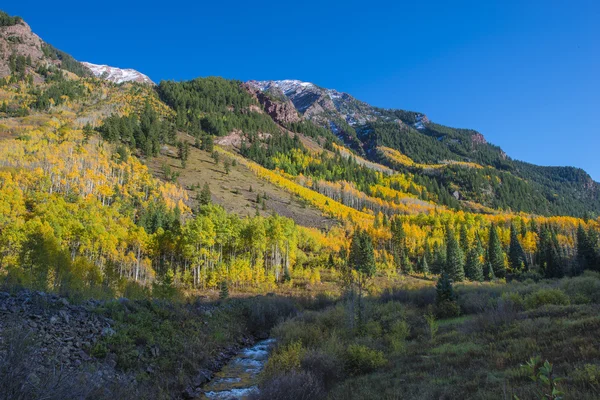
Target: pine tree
[[582, 248], [549, 254], [488, 271], [496, 254], [423, 266], [227, 166], [464, 239], [516, 254], [444, 292], [454, 257], [224, 290], [183, 151], [362, 260], [588, 256], [205, 197], [439, 259], [473, 266]]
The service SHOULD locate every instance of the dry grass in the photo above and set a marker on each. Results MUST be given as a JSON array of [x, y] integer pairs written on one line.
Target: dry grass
[[232, 191]]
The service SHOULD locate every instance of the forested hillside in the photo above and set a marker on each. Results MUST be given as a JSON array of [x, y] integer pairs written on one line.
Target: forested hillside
[[164, 196]]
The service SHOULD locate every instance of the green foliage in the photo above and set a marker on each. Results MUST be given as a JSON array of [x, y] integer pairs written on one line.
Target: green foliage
[[67, 62], [473, 265], [53, 95], [145, 132], [587, 376], [224, 290], [362, 258], [7, 20], [454, 258], [542, 374], [214, 106], [432, 324], [495, 254], [205, 196], [445, 299], [516, 254], [542, 297], [285, 359], [549, 253], [361, 359]]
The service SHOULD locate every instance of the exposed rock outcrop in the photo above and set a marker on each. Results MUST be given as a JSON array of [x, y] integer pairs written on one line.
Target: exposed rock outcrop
[[283, 112], [19, 40]]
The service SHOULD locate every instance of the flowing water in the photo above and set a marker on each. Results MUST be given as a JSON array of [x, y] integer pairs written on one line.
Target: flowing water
[[238, 379]]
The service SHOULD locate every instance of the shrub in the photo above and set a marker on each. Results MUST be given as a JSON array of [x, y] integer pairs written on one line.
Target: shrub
[[447, 309], [502, 313], [582, 289], [474, 302], [294, 385], [284, 359], [587, 376], [542, 297], [325, 366], [514, 299], [397, 335], [362, 360]]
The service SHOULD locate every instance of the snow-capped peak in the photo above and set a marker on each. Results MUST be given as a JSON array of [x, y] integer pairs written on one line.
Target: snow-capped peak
[[117, 75], [286, 85]]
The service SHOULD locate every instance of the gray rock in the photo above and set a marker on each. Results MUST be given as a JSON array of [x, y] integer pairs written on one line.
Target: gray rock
[[108, 331]]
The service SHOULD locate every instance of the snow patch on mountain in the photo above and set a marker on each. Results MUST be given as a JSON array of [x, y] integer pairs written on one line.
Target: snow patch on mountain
[[117, 75], [287, 86], [420, 125]]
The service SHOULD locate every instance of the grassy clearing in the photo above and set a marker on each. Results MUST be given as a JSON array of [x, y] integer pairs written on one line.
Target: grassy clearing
[[477, 355], [237, 190]]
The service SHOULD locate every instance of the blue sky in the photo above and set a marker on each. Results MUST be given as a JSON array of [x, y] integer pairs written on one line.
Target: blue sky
[[524, 73]]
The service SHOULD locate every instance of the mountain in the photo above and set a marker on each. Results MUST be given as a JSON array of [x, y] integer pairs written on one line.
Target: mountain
[[127, 209], [117, 75], [371, 131], [22, 52]]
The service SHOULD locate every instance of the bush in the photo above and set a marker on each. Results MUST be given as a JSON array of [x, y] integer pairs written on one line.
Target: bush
[[397, 335], [504, 312], [474, 302], [363, 360], [542, 297], [294, 385], [587, 376], [514, 299], [325, 366], [447, 309], [582, 289], [284, 359]]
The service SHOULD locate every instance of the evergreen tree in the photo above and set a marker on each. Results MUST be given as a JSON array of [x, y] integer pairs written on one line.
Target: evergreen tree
[[224, 290], [474, 267], [444, 292], [454, 257], [549, 253], [516, 254], [183, 151], [205, 197], [488, 271], [423, 266], [496, 254], [227, 166], [464, 239], [362, 260], [583, 249], [587, 249], [439, 259], [207, 143]]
